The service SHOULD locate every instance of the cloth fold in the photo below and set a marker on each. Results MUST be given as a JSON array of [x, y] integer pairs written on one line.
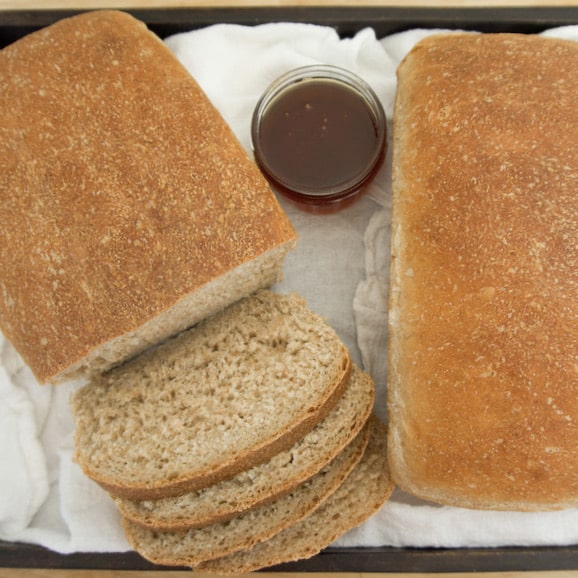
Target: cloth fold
[[340, 267], [24, 484]]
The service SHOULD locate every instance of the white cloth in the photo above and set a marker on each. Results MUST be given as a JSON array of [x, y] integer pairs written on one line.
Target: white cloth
[[44, 496], [340, 266]]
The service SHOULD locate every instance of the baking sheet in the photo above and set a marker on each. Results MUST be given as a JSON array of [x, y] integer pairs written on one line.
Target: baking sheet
[[346, 22]]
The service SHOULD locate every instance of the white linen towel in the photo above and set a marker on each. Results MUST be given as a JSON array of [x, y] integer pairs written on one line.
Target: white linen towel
[[340, 267]]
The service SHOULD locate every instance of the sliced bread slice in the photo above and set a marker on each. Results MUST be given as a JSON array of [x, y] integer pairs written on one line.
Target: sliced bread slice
[[233, 391], [267, 481], [191, 547], [365, 490]]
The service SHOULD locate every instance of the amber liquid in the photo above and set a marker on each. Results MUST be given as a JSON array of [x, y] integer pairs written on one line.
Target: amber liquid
[[318, 137]]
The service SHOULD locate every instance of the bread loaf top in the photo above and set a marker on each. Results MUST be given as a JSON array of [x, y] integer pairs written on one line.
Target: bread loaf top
[[122, 190], [484, 281]]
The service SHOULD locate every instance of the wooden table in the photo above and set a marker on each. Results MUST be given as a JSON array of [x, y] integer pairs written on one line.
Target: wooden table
[[135, 4], [46, 4]]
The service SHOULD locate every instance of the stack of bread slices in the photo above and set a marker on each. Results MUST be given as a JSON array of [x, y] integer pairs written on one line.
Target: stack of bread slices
[[229, 447]]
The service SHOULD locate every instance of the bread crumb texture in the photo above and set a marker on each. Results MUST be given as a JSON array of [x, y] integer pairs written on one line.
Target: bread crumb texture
[[361, 495], [122, 190], [484, 315], [215, 397], [266, 481], [193, 546]]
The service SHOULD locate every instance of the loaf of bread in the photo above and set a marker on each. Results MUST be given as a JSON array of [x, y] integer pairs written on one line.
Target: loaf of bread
[[484, 279], [362, 494], [191, 547], [128, 209], [228, 394], [265, 482]]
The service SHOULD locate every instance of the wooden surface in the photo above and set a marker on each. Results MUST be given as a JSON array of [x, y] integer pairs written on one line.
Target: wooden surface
[[133, 4], [46, 4], [10, 573]]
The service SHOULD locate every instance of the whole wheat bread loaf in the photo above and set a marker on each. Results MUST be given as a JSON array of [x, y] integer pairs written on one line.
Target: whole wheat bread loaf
[[484, 301], [227, 394], [191, 547], [267, 481], [365, 490], [129, 210]]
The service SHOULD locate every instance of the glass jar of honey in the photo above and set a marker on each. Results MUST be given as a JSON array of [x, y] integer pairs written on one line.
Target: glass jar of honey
[[319, 136]]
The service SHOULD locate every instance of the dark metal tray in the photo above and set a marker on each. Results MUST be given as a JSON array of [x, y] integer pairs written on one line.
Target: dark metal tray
[[346, 21]]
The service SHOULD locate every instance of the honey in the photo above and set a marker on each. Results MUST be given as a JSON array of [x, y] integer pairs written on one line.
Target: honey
[[319, 137]]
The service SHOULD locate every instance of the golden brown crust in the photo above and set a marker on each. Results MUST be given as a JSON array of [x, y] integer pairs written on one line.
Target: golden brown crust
[[122, 188], [484, 277]]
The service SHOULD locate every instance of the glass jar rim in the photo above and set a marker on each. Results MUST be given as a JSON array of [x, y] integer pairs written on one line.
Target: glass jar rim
[[321, 72]]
